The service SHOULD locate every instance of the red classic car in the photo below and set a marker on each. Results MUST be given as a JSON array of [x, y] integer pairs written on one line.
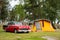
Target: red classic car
[[16, 27]]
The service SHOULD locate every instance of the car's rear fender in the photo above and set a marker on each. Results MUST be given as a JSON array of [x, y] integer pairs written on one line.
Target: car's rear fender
[[5, 26]]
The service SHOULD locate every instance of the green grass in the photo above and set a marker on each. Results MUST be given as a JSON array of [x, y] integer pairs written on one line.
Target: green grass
[[35, 38], [27, 36]]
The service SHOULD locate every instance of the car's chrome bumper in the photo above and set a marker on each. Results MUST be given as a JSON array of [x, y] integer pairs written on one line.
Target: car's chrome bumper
[[24, 30]]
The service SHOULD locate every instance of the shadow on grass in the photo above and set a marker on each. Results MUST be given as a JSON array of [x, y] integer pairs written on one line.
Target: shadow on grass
[[13, 32]]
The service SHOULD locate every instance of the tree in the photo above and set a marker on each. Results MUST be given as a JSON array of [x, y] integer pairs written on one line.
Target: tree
[[50, 7], [58, 11], [18, 13], [31, 6], [42, 9], [3, 9]]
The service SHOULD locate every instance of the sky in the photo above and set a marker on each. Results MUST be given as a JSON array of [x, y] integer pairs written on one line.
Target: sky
[[14, 2]]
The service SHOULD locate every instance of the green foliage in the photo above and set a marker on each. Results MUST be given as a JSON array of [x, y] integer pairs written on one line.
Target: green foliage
[[18, 13], [42, 9], [3, 9], [52, 10], [58, 10]]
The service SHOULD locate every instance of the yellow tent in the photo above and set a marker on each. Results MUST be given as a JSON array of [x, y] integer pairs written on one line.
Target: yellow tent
[[42, 25]]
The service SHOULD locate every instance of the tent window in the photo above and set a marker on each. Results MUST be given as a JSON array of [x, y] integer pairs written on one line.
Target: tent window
[[37, 24]]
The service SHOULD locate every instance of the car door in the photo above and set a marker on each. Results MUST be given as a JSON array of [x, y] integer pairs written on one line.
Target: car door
[[7, 28], [11, 28]]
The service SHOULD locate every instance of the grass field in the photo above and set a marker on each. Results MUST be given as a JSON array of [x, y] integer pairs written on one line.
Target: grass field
[[27, 36]]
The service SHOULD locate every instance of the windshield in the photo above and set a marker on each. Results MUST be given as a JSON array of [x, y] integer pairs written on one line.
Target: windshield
[[14, 23], [18, 23]]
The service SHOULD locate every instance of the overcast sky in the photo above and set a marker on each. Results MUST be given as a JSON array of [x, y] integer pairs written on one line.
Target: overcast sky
[[14, 2]]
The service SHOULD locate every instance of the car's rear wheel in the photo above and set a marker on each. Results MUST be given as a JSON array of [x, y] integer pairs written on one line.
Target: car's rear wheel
[[27, 32], [15, 31], [6, 31]]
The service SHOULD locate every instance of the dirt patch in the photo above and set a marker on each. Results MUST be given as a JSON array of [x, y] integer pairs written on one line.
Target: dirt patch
[[49, 38]]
